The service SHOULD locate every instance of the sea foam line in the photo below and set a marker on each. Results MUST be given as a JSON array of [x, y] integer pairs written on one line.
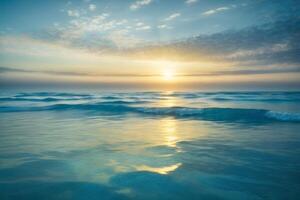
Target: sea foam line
[[209, 113]]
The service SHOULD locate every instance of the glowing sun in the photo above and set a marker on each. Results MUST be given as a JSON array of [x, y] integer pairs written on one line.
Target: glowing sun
[[168, 75]]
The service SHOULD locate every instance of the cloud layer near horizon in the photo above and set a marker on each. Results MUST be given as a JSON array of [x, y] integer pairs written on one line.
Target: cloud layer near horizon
[[94, 43], [269, 48]]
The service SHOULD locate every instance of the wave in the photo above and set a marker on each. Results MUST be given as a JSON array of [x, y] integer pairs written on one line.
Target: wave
[[208, 114], [224, 114], [110, 97], [54, 94], [47, 99], [283, 116], [210, 96], [54, 99], [242, 96], [258, 99]]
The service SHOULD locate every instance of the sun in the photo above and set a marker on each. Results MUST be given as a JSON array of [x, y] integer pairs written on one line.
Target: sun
[[168, 75]]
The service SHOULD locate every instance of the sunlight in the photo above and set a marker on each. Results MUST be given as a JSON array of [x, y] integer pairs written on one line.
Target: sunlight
[[169, 128], [167, 69], [168, 75], [160, 170]]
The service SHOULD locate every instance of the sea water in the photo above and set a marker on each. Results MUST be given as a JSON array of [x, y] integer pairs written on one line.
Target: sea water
[[150, 145]]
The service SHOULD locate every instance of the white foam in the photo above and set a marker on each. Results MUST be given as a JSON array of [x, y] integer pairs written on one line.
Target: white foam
[[283, 116]]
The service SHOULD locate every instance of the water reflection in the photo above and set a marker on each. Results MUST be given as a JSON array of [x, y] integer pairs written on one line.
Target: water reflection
[[160, 170], [86, 153], [169, 131], [168, 101]]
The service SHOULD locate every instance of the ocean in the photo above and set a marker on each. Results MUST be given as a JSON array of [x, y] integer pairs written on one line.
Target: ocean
[[150, 145]]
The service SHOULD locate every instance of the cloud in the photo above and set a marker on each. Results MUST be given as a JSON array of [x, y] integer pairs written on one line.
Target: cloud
[[73, 13], [122, 39], [98, 32], [77, 27], [172, 17], [164, 26], [189, 2], [138, 4], [195, 74], [95, 32], [214, 11], [9, 69], [70, 73], [42, 48], [271, 43], [139, 24], [143, 28], [92, 7], [275, 43], [271, 48]]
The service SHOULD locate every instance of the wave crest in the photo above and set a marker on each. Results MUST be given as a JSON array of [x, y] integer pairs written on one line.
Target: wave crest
[[208, 114], [284, 116]]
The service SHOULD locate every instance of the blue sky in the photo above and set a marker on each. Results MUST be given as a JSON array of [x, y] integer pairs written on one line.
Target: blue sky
[[166, 19], [194, 37]]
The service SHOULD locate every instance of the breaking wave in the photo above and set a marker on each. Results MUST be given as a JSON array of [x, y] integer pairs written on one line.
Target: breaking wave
[[55, 94], [283, 116], [243, 96], [209, 113]]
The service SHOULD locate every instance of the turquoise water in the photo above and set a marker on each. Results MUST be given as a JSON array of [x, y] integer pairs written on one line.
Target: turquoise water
[[150, 145]]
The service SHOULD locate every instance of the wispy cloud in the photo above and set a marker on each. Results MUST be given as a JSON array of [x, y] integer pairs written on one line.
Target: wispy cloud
[[172, 16], [214, 11], [265, 49], [189, 2], [164, 26], [200, 74], [89, 24], [73, 13], [70, 73], [140, 28], [92, 7], [98, 32], [138, 4], [139, 24], [263, 45], [9, 69]]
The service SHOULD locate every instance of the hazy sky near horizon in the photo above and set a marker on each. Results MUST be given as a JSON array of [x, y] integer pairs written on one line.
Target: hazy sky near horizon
[[173, 44]]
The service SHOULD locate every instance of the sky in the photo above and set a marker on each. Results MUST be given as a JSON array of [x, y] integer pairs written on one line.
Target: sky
[[151, 44]]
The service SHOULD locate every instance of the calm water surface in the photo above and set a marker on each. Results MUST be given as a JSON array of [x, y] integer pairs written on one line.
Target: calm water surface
[[151, 145]]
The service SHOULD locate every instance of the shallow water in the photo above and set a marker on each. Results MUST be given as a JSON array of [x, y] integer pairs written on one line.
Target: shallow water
[[150, 145]]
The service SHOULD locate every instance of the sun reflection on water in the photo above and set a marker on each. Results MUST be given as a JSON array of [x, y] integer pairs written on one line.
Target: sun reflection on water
[[160, 170], [169, 132]]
